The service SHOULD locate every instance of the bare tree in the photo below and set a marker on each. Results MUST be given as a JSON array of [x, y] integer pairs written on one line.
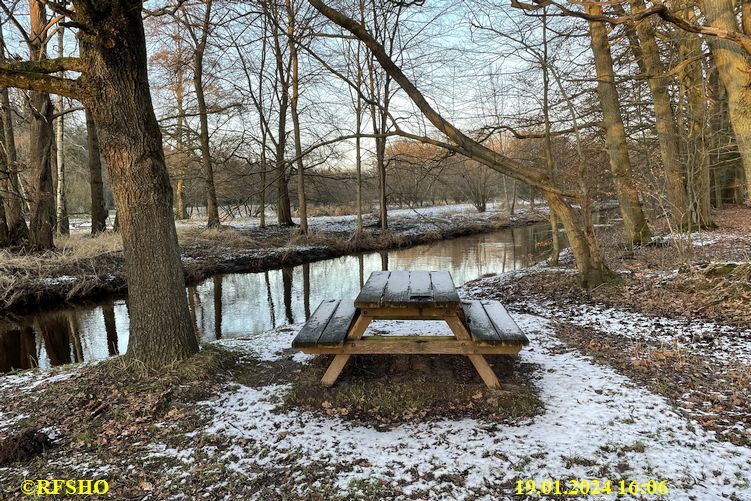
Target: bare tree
[[589, 263]]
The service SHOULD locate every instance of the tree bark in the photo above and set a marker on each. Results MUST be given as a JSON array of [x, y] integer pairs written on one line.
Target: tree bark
[[555, 250], [42, 220], [113, 51], [734, 70], [283, 209], [647, 55], [212, 209], [615, 134], [18, 231], [96, 185], [62, 223], [697, 133], [302, 206], [180, 212]]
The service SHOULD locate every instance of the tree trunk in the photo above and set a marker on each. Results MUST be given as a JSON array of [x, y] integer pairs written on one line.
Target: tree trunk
[[615, 134], [98, 208], [42, 221], [302, 206], [358, 149], [18, 231], [651, 65], [589, 263], [212, 209], [113, 50], [555, 250], [380, 147], [62, 223], [734, 70], [697, 137], [4, 237], [180, 212]]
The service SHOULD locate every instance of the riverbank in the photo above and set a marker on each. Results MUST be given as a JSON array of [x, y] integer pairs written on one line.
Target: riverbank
[[85, 268]]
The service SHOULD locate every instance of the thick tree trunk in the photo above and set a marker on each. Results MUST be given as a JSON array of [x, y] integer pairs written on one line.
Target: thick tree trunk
[[42, 221], [113, 50], [98, 209], [697, 137], [734, 70], [647, 55], [589, 262], [615, 134]]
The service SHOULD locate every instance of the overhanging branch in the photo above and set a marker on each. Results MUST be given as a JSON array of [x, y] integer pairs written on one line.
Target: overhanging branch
[[10, 77]]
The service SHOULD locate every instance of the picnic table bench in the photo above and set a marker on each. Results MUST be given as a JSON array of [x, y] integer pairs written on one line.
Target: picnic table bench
[[479, 327]]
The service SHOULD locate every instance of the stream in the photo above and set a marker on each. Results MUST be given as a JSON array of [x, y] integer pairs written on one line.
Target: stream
[[243, 304]]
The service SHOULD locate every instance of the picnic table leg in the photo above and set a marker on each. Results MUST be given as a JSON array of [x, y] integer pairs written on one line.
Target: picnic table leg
[[335, 367], [481, 365]]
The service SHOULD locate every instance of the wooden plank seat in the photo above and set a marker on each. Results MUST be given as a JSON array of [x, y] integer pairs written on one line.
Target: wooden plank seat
[[490, 323], [328, 325]]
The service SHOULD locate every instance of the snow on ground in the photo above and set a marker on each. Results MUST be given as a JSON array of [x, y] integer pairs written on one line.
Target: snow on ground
[[596, 425], [703, 238], [31, 379], [723, 343], [267, 345], [432, 215]]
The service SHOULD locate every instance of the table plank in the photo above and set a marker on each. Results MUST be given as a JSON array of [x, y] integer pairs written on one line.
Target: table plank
[[480, 325], [372, 292], [396, 292], [420, 286], [504, 325], [444, 290], [313, 328], [339, 323]]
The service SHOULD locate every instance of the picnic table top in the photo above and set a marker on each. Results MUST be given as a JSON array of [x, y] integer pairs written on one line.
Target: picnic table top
[[408, 289]]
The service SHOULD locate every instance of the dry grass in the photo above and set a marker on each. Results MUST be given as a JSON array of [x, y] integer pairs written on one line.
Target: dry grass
[[78, 267], [410, 388], [224, 236]]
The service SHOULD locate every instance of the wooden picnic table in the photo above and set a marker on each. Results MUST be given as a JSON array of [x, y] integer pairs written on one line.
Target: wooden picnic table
[[478, 327]]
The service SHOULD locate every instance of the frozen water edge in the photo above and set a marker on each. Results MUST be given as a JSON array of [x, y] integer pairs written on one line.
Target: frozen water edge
[[593, 416]]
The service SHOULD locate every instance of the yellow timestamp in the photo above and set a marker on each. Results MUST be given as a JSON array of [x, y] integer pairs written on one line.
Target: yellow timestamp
[[579, 487]]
